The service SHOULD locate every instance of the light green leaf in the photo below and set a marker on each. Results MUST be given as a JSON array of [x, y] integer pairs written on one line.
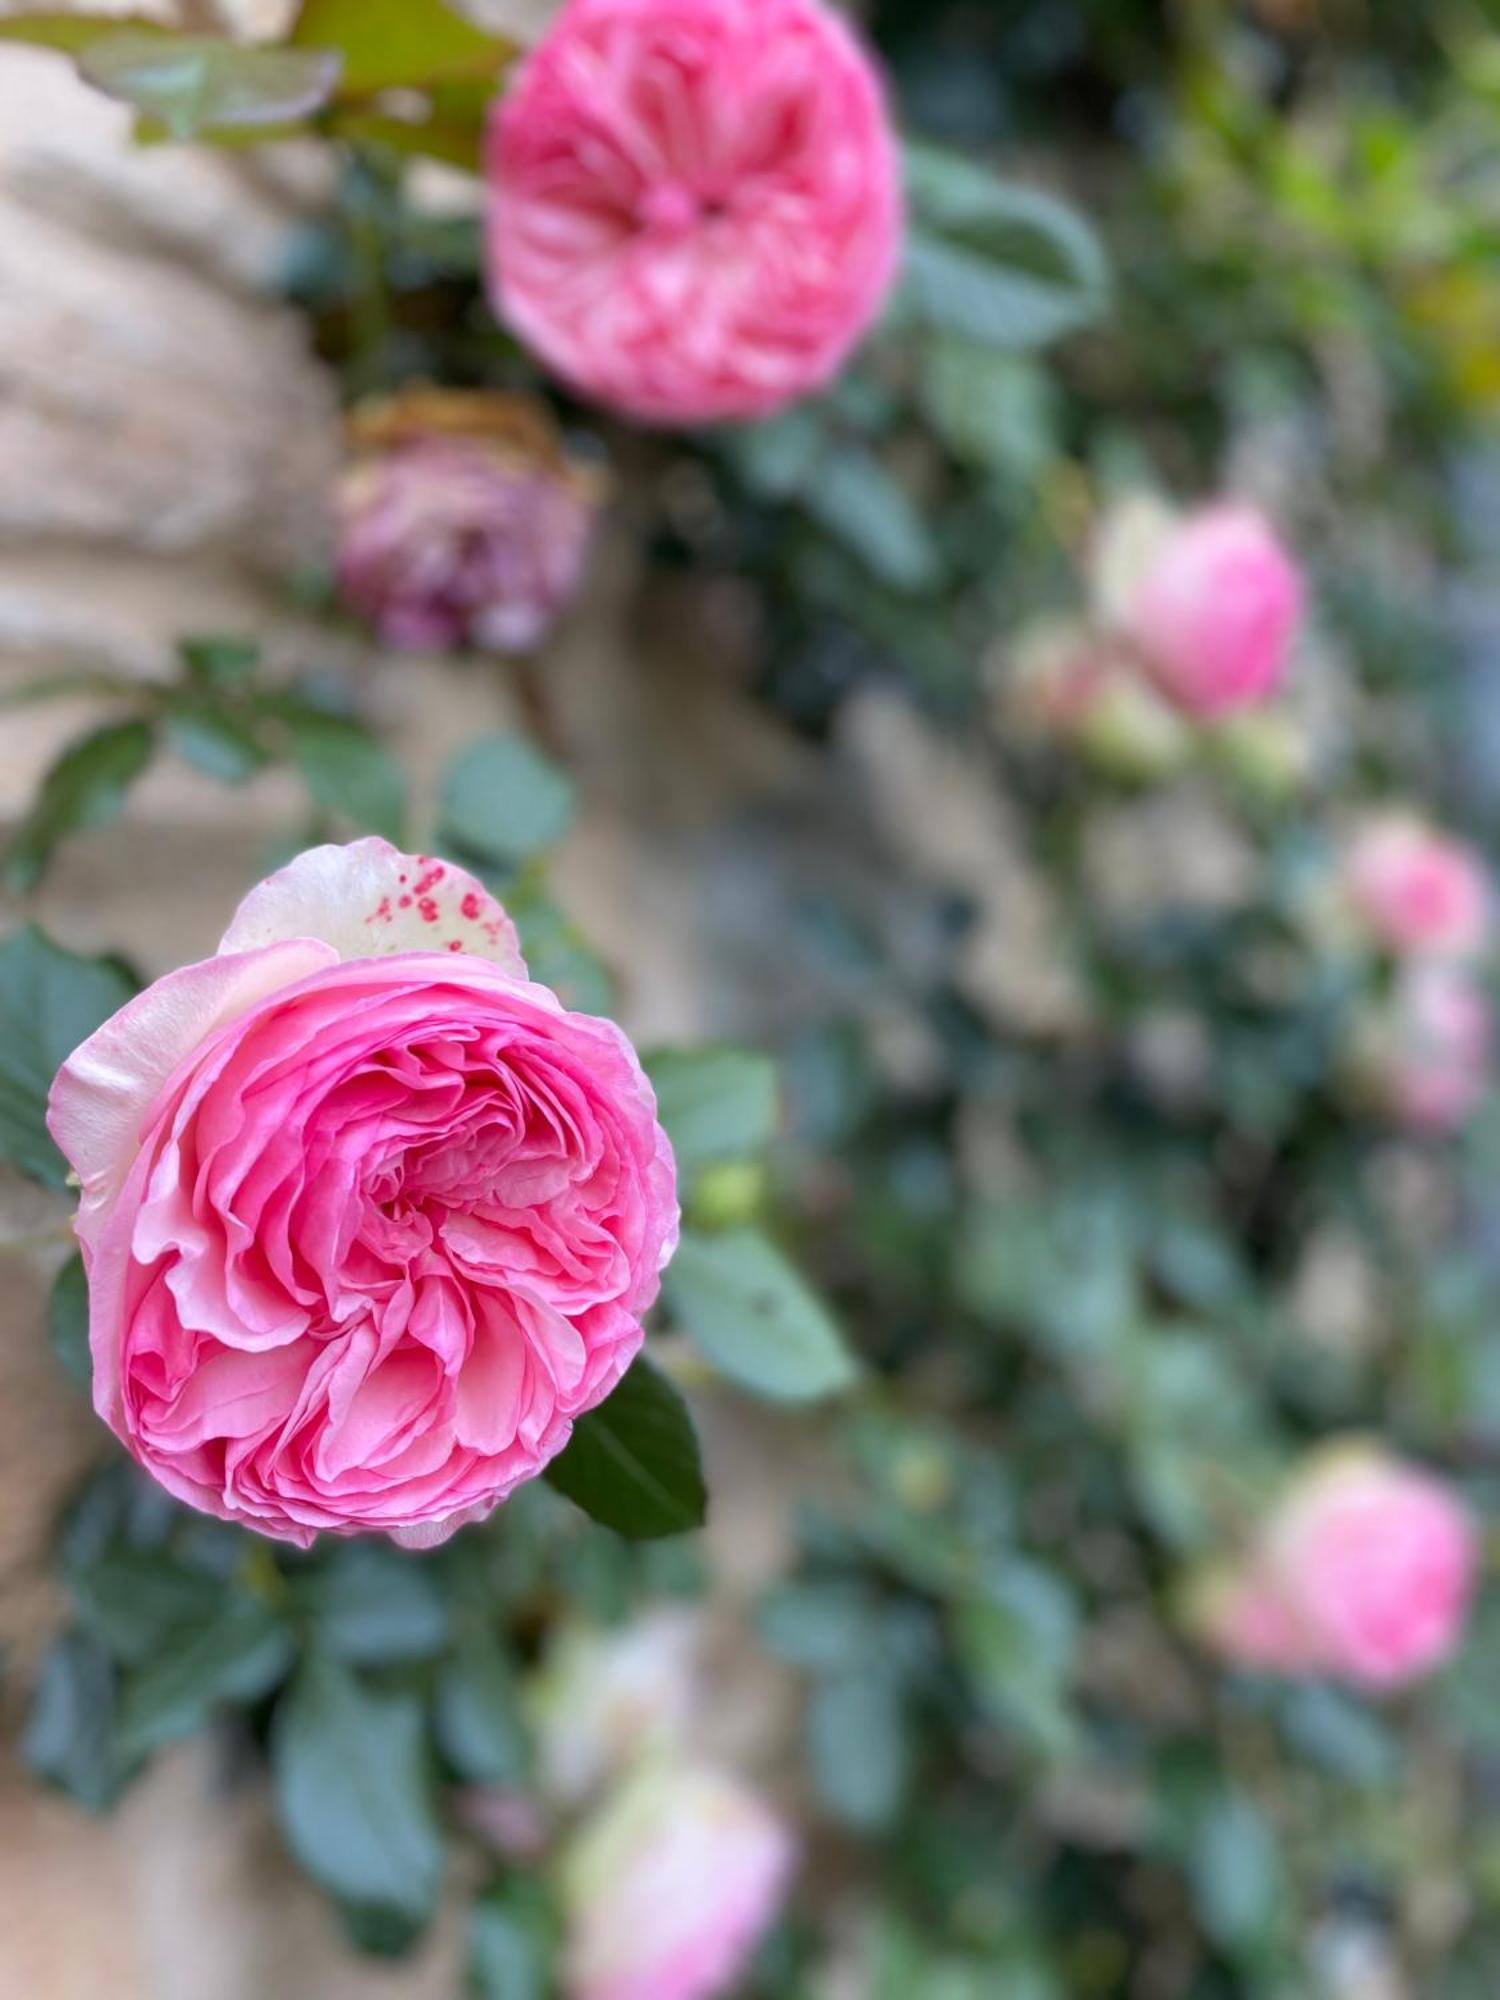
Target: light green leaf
[[755, 1318], [1236, 1871], [354, 1793], [476, 1713], [866, 508], [387, 44], [50, 1001], [504, 802], [512, 1943], [73, 32], [194, 83], [859, 1747], [85, 788], [221, 746], [633, 1463], [714, 1103], [349, 772]]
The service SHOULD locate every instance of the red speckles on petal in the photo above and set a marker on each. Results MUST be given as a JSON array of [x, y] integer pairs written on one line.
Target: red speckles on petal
[[427, 882], [455, 944], [471, 907], [427, 909], [383, 913], [405, 903]]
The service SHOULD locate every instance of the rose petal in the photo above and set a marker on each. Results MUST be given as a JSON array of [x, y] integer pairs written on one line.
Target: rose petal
[[369, 900]]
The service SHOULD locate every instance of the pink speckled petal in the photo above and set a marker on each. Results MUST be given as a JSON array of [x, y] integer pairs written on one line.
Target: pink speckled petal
[[369, 900], [102, 1095]]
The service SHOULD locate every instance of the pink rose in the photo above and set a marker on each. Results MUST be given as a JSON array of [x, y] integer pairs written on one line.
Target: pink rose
[[369, 1219], [1215, 609], [1416, 889], [1363, 1571], [1432, 1052], [461, 523], [671, 1887], [695, 205]]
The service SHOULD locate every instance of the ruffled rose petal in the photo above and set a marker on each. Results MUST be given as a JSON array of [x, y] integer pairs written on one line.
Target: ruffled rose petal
[[369, 900], [103, 1093]]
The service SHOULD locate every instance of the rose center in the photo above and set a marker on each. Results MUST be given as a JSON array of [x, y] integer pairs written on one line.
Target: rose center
[[669, 210]]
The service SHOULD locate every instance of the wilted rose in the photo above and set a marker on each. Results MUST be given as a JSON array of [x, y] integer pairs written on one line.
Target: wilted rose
[[1363, 1570], [368, 1217], [462, 523], [1415, 889], [671, 1886], [695, 205]]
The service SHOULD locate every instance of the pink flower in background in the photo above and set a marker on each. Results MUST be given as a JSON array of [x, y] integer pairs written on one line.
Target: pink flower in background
[[671, 1886], [695, 205], [1214, 610], [1433, 1051], [369, 1219], [461, 523], [1364, 1571], [1416, 889]]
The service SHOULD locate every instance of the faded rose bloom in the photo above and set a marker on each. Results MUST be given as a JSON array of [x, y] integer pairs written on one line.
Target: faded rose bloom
[[368, 1217], [670, 1888], [1417, 890], [606, 1698], [1363, 1571], [1212, 603], [1429, 1054], [695, 205], [461, 523]]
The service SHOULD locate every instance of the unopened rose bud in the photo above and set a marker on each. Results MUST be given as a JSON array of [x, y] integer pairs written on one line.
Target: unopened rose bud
[[1363, 1571], [1426, 1056], [462, 523], [606, 1697], [1416, 890]]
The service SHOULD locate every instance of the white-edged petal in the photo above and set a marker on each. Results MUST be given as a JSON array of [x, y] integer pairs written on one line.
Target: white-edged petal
[[368, 900]]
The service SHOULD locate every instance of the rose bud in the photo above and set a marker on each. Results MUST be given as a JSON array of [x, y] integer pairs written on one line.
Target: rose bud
[[1063, 681], [1417, 890], [605, 1698], [369, 1218], [694, 205], [462, 523], [1363, 1571], [1212, 607], [670, 1888], [1427, 1055]]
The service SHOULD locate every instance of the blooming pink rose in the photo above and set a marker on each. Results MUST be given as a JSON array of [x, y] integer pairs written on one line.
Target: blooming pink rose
[[695, 205], [671, 1887], [1215, 610], [1363, 1571], [369, 1219], [1432, 1054], [1417, 889]]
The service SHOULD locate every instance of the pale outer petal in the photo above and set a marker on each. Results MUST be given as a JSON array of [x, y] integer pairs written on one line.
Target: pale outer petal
[[369, 900], [103, 1094]]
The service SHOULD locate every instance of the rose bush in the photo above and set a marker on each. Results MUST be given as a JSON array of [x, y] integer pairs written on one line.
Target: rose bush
[[695, 206], [369, 1218]]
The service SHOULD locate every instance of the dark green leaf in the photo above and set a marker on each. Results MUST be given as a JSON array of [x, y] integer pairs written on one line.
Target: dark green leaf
[[85, 788], [633, 1463], [354, 1793], [68, 1322], [504, 801], [237, 1656], [138, 1603], [398, 43], [220, 746], [70, 1738], [219, 660], [715, 1103], [756, 1319], [194, 83], [476, 1713], [371, 1605], [50, 1001], [866, 508], [512, 1943]]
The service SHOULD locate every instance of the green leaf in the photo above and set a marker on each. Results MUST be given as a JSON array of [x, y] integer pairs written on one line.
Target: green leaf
[[50, 1001], [354, 1794], [633, 1463], [992, 409], [504, 801], [194, 83], [372, 1605], [349, 772], [866, 508], [476, 1713], [219, 659], [238, 1656], [1235, 1871], [715, 1103], [858, 1746], [512, 1943], [1016, 1644], [221, 746], [70, 1738], [398, 43], [85, 788], [68, 1322], [138, 1604], [997, 262], [755, 1318], [74, 32]]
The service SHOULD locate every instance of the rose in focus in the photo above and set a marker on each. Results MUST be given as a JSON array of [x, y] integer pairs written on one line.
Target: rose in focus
[[369, 1218], [695, 205], [1364, 1571], [461, 523], [670, 1888]]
